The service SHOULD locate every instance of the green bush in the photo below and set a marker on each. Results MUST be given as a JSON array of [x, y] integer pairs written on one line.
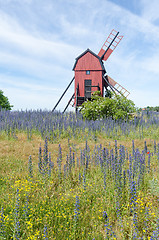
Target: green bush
[[117, 107], [4, 102]]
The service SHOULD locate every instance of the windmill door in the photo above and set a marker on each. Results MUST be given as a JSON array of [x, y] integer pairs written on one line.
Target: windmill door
[[87, 88]]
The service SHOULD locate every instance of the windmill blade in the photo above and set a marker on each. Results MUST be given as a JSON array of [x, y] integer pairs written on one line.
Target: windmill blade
[[109, 45], [108, 84], [118, 87]]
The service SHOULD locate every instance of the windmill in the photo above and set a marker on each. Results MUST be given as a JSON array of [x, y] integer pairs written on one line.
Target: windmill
[[90, 74]]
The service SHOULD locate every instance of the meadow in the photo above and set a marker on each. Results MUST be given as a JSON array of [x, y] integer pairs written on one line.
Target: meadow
[[62, 177]]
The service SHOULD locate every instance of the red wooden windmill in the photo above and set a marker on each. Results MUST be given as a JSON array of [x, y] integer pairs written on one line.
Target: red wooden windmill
[[90, 73]]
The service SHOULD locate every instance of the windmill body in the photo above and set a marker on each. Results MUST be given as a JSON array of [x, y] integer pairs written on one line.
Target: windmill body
[[90, 73]]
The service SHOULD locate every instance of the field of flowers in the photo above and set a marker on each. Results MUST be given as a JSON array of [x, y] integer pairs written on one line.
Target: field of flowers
[[65, 178]]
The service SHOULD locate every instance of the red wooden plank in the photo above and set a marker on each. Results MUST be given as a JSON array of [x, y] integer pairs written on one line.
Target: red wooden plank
[[88, 62]]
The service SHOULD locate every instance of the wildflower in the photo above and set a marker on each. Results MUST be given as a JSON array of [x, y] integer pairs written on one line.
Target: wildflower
[[17, 223], [2, 226], [109, 232], [30, 167], [45, 165], [45, 233], [105, 216], [76, 211], [84, 179]]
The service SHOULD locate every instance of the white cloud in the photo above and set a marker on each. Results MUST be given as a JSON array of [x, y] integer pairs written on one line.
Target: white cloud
[[24, 83], [18, 39], [145, 98], [36, 69], [150, 10], [34, 96]]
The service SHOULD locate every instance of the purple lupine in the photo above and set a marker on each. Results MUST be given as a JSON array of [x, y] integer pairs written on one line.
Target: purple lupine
[[45, 233], [146, 219], [87, 161], [70, 159], [106, 158], [141, 169], [47, 124], [109, 232], [148, 161], [40, 162], [134, 166], [64, 170], [51, 165], [83, 157], [2, 224], [76, 210], [116, 150], [30, 167], [84, 179], [154, 147], [45, 164], [124, 179], [133, 148], [112, 163], [130, 167], [79, 177], [45, 153], [133, 205], [59, 161], [73, 159], [155, 235], [145, 147], [17, 223], [26, 207]]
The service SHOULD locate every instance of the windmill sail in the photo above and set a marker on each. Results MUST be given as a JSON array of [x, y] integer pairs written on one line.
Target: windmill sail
[[117, 87], [109, 45]]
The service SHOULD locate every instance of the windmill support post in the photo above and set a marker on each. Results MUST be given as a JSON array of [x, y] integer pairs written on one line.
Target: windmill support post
[[77, 89], [63, 94], [68, 103]]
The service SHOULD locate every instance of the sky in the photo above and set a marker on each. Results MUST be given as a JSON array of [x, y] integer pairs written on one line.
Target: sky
[[40, 40]]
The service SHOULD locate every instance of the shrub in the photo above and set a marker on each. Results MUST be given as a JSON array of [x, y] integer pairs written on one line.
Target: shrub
[[4, 102], [117, 107]]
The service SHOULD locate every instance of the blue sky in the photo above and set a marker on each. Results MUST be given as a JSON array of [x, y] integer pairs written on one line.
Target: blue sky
[[39, 41]]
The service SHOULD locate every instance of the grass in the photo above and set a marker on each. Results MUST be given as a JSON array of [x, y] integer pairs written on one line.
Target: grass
[[87, 195]]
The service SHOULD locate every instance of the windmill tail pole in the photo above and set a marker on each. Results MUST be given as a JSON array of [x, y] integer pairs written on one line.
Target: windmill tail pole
[[63, 94], [109, 45]]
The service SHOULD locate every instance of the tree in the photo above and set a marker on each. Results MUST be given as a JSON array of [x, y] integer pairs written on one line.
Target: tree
[[116, 107], [4, 102]]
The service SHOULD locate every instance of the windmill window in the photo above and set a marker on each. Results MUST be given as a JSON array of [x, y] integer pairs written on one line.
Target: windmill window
[[88, 72]]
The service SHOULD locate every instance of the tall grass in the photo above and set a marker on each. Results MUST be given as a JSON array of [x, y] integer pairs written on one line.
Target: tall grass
[[87, 186], [57, 126]]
